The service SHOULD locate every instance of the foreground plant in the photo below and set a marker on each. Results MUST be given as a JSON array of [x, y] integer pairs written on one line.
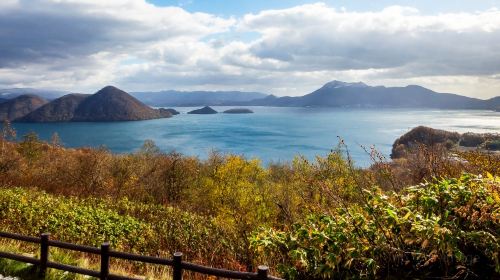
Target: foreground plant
[[447, 228]]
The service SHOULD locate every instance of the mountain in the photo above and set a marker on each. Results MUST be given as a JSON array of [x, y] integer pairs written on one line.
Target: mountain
[[494, 103], [203, 111], [354, 95], [108, 104], [43, 93], [196, 98], [20, 106], [59, 110]]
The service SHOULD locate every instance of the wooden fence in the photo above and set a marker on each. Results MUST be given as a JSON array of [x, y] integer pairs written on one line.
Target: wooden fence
[[178, 266]]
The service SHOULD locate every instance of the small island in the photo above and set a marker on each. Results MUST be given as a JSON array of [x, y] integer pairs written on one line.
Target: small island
[[203, 111], [170, 110], [238, 111]]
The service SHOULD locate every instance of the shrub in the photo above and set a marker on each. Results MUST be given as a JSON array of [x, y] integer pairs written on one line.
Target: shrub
[[472, 139], [493, 145], [128, 226], [447, 228]]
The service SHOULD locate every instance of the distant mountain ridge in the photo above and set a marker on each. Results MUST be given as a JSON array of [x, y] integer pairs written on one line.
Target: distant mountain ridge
[[332, 94], [196, 98], [108, 104], [10, 93], [360, 95]]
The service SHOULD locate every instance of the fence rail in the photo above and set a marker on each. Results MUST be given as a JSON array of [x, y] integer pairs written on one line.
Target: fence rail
[[105, 252]]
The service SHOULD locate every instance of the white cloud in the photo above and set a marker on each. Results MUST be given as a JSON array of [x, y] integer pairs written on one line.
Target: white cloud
[[82, 45], [322, 38], [8, 4]]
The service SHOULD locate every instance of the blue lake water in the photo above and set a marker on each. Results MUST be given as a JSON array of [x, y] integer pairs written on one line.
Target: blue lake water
[[271, 134]]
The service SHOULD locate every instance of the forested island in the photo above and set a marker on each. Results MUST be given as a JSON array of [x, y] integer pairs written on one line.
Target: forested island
[[207, 110], [431, 212], [108, 104]]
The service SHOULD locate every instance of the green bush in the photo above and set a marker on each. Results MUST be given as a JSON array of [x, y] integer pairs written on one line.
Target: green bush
[[90, 222], [493, 145], [447, 228], [128, 226]]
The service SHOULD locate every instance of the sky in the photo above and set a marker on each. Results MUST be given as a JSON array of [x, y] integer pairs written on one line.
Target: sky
[[276, 46]]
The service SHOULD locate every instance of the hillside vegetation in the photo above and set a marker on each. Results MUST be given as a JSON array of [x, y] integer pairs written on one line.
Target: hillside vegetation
[[422, 216], [454, 141], [20, 106]]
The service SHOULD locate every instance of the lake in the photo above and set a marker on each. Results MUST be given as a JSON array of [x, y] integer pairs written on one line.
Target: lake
[[272, 134]]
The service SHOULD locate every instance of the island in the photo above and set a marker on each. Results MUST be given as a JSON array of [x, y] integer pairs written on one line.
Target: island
[[170, 110], [203, 111], [238, 111], [108, 104]]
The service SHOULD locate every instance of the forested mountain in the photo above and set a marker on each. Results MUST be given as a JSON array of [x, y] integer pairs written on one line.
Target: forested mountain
[[108, 104], [20, 106]]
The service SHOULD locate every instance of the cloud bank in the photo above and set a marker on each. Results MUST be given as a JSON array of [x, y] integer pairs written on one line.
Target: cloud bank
[[82, 45]]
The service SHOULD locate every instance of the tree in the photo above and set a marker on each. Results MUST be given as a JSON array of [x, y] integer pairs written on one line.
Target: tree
[[30, 147], [8, 132], [55, 140], [149, 148]]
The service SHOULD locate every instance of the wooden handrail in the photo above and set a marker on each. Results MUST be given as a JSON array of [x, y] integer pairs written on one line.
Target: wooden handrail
[[106, 253], [74, 247]]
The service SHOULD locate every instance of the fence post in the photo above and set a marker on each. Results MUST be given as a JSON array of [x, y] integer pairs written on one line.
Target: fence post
[[44, 254], [177, 274], [262, 272], [104, 261]]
